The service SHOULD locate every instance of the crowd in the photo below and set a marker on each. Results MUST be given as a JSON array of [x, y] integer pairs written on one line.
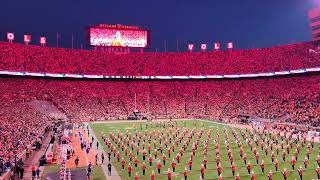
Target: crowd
[[287, 99], [21, 129], [18, 57]]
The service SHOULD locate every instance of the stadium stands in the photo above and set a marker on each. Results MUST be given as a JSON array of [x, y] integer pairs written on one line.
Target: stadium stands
[[288, 99], [18, 57]]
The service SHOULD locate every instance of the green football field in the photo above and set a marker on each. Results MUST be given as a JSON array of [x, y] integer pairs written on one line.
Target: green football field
[[211, 170]]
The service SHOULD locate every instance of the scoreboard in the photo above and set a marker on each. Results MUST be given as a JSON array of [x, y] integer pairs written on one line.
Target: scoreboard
[[118, 36]]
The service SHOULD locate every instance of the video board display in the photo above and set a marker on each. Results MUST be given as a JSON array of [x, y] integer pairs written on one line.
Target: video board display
[[118, 37]]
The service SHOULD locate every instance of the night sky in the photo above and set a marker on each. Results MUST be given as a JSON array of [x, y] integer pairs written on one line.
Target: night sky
[[248, 23]]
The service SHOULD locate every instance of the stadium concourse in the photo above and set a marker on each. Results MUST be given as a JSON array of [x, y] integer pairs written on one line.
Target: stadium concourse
[[286, 99]]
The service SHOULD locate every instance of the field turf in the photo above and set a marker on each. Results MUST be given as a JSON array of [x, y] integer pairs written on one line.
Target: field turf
[[211, 171]]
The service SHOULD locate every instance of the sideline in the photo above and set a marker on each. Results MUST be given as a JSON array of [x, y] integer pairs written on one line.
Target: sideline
[[114, 173]]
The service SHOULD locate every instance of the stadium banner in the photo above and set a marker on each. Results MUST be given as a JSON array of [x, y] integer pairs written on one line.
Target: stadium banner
[[197, 77], [93, 76], [10, 36], [180, 77], [282, 73], [55, 75], [118, 36], [313, 69], [43, 40], [203, 47], [231, 76], [249, 75], [267, 74], [216, 46], [27, 38], [73, 75], [215, 76], [298, 71], [35, 74]]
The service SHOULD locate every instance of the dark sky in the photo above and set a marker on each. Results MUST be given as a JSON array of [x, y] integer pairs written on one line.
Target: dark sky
[[248, 23]]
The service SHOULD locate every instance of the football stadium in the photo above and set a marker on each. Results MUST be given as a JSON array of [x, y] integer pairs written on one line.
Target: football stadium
[[122, 102]]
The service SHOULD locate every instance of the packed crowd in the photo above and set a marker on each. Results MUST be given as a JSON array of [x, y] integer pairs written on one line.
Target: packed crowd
[[289, 99], [18, 57], [21, 128]]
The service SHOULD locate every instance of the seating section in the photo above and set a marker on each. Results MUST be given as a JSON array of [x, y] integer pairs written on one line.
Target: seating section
[[18, 57], [20, 126], [285, 99], [291, 98]]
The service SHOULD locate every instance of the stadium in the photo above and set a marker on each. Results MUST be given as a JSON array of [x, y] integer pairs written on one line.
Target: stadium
[[119, 109]]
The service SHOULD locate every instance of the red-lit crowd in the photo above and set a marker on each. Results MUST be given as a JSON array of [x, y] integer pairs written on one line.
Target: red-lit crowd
[[18, 57], [20, 128], [287, 99]]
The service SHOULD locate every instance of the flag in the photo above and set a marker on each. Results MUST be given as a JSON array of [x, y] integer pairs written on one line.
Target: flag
[[58, 37]]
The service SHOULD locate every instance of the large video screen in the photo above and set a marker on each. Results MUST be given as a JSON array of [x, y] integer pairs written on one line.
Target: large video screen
[[118, 37]]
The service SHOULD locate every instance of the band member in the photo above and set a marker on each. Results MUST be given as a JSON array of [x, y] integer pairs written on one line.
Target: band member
[[262, 166], [205, 161], [173, 165], [202, 169], [270, 175], [233, 168], [300, 172], [169, 174], [159, 166], [143, 168], [283, 155], [190, 163], [318, 172], [276, 165], [178, 157], [123, 162], [150, 160], [219, 169], [153, 176], [130, 156], [293, 162], [249, 168], [185, 173], [257, 157], [285, 174], [136, 177], [305, 162], [144, 153], [237, 177], [164, 158], [253, 176], [136, 161], [129, 169], [245, 158]]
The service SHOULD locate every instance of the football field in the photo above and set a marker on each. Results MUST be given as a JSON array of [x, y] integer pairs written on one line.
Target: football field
[[202, 140]]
